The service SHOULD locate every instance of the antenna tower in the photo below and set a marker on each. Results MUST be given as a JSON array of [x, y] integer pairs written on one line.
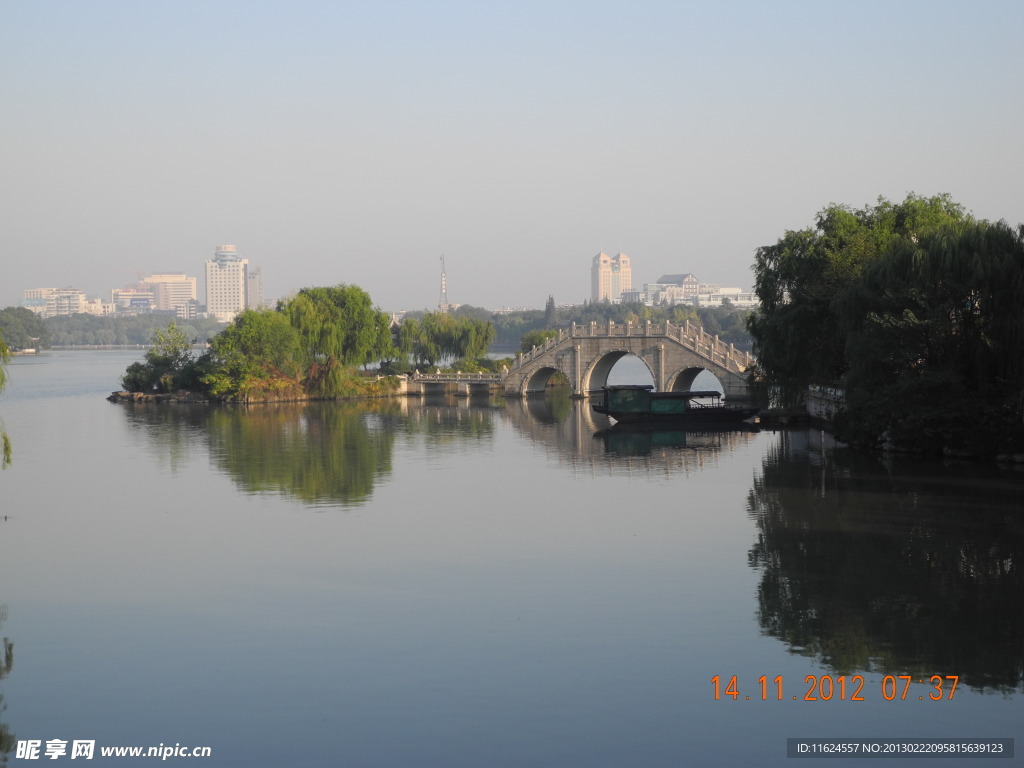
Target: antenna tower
[[443, 302]]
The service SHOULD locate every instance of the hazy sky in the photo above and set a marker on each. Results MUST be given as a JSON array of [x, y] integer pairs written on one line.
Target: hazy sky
[[357, 142]]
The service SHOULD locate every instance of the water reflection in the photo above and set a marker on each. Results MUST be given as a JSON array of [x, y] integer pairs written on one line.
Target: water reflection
[[8, 741], [910, 568], [446, 419], [319, 453], [334, 453], [638, 440], [584, 439], [322, 454]]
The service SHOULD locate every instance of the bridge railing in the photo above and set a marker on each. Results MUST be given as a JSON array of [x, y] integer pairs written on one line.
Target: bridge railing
[[457, 376], [690, 336]]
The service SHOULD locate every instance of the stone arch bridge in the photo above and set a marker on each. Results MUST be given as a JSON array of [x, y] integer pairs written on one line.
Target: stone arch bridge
[[674, 354]]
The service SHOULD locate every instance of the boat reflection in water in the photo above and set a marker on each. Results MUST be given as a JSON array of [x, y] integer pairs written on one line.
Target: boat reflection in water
[[645, 439], [640, 404]]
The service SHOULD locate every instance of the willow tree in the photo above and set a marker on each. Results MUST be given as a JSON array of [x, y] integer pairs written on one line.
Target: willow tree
[[442, 336], [935, 341], [338, 326], [5, 440], [799, 338], [259, 352]]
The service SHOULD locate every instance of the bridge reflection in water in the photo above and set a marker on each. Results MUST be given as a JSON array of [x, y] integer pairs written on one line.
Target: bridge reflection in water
[[584, 439]]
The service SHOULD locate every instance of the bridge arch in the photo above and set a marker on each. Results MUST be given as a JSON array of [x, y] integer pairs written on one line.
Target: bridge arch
[[595, 375], [682, 380], [537, 380]]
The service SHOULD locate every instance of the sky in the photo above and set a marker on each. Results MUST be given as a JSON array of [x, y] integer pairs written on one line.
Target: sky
[[358, 142]]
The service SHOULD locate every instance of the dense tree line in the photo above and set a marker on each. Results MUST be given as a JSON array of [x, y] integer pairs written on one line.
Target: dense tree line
[[22, 328], [96, 330], [914, 309], [511, 328], [438, 336], [5, 439]]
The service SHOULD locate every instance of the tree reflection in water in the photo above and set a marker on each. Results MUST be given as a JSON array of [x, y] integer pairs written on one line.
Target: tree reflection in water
[[320, 453], [8, 741], [915, 569]]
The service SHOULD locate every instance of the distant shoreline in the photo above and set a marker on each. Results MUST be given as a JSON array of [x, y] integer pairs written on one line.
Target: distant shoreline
[[65, 347]]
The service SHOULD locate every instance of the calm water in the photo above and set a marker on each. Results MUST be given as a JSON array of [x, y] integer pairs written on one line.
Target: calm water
[[471, 584]]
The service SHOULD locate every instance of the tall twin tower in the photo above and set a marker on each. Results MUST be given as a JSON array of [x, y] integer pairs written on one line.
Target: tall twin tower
[[610, 277]]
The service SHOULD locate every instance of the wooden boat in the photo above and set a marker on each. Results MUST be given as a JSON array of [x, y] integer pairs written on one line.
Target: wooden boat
[[640, 404]]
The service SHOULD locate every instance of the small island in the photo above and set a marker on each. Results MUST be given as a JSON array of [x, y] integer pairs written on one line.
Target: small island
[[310, 347]]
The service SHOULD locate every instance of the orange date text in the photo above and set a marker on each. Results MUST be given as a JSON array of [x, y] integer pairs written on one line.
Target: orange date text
[[837, 688]]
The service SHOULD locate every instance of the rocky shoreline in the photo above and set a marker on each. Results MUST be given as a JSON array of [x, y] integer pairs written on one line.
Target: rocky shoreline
[[158, 397]]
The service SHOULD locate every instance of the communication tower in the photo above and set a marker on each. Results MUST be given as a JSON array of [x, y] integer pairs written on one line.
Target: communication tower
[[442, 303]]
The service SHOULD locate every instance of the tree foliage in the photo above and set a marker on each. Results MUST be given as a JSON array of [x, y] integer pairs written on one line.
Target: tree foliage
[[339, 324], [23, 329], [729, 323], [169, 364], [915, 310], [438, 336], [551, 319], [93, 330], [308, 346], [5, 439], [797, 334], [338, 327], [935, 341], [535, 338], [259, 351]]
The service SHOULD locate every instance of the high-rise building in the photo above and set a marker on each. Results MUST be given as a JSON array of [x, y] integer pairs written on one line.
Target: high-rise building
[[51, 302], [171, 291], [137, 297], [254, 288], [226, 283], [610, 277]]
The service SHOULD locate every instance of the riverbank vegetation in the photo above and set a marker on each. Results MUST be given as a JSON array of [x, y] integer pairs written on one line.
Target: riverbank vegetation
[[310, 347], [426, 341], [5, 439], [22, 329], [915, 310]]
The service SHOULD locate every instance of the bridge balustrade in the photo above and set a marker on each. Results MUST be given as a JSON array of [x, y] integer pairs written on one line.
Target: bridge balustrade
[[458, 376], [692, 337]]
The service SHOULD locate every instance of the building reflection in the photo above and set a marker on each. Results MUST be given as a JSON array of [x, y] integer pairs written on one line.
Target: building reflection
[[906, 568]]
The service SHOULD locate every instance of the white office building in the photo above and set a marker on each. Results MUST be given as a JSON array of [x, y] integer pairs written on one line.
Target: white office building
[[171, 291], [227, 283]]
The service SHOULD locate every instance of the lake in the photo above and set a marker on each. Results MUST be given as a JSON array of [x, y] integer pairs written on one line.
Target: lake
[[483, 583]]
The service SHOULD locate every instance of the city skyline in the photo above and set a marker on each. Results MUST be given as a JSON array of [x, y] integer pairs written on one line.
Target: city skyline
[[158, 285], [346, 143]]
